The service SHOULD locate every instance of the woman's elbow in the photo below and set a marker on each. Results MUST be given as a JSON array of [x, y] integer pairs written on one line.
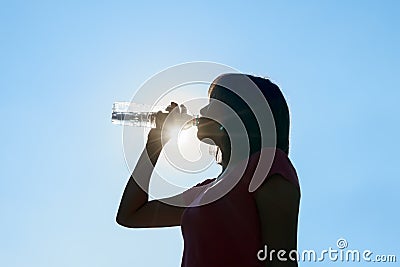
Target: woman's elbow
[[124, 221], [120, 220]]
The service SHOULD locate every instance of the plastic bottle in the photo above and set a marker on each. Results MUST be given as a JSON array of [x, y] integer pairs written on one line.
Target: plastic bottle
[[141, 115]]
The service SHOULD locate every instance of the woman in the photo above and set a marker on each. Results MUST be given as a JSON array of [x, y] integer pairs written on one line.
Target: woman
[[239, 227]]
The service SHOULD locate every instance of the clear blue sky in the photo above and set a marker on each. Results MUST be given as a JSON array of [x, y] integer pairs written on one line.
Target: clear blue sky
[[63, 64]]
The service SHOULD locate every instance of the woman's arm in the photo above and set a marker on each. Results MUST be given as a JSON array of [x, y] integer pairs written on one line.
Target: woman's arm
[[135, 211], [278, 207]]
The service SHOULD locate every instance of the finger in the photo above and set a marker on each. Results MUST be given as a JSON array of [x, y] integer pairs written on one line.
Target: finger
[[160, 118], [172, 106], [175, 108], [175, 111], [183, 109]]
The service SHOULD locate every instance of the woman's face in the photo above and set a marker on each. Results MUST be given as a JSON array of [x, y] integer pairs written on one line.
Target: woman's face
[[212, 117], [208, 127]]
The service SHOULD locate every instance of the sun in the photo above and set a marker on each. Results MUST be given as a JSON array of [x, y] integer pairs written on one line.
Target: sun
[[189, 144]]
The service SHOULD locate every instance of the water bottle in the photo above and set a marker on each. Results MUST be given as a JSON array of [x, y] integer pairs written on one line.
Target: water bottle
[[141, 115]]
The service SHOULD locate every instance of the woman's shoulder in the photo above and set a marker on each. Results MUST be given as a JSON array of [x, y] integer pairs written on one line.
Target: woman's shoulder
[[283, 168], [205, 182], [271, 162], [191, 194]]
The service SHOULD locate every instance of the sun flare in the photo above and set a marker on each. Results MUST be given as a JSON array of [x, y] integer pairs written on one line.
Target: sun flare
[[189, 144]]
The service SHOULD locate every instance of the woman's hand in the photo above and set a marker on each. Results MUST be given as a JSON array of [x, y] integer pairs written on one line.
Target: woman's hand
[[168, 124]]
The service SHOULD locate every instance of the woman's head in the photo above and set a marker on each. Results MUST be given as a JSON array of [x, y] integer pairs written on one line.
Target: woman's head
[[223, 89]]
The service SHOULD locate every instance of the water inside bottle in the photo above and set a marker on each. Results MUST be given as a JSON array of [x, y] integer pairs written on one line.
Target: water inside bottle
[[139, 119]]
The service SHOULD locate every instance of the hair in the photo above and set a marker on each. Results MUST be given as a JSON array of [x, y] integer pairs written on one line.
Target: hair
[[276, 102]]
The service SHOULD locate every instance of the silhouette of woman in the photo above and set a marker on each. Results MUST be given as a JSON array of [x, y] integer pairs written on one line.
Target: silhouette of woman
[[242, 227]]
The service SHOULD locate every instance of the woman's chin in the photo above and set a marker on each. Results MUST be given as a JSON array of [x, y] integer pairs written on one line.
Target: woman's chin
[[205, 138]]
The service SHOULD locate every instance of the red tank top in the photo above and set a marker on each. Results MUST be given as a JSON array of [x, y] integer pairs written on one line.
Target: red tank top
[[227, 232]]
